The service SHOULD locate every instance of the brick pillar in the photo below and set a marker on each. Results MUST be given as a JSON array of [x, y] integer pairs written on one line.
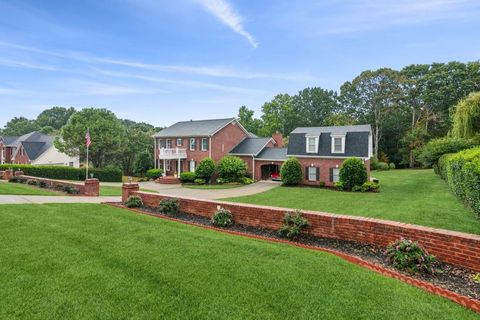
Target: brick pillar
[[92, 188], [18, 173], [7, 174], [127, 189]]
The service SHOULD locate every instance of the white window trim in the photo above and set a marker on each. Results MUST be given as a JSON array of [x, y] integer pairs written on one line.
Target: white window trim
[[316, 144], [206, 144], [181, 142], [194, 140], [168, 143], [314, 173], [333, 143]]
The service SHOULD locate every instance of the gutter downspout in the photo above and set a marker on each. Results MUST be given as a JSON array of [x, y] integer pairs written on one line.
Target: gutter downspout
[[253, 169], [210, 146]]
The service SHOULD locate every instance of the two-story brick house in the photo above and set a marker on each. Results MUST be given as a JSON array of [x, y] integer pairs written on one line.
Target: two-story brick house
[[320, 150]]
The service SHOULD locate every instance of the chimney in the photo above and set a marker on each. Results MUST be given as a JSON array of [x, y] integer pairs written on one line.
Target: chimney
[[278, 137]]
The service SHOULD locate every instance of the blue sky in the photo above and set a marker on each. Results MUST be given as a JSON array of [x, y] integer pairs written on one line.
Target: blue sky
[[163, 61]]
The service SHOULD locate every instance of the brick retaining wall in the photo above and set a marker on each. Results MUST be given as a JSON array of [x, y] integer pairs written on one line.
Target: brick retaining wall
[[449, 246], [90, 187]]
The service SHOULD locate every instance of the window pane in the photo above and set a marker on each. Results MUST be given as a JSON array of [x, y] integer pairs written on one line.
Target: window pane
[[336, 175], [312, 173], [338, 144], [311, 145]]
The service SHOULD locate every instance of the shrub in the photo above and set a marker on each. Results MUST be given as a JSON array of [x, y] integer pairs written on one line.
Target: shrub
[[70, 189], [370, 187], [134, 202], [200, 181], [21, 180], [435, 148], [107, 174], [154, 173], [187, 177], [339, 185], [221, 181], [462, 173], [42, 184], [294, 223], [205, 169], [246, 180], [222, 218], [169, 206], [410, 256], [291, 172], [356, 188], [13, 180], [391, 166], [352, 173], [32, 182], [232, 169]]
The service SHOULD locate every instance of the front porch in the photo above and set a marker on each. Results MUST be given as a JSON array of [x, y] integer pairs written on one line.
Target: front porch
[[172, 162]]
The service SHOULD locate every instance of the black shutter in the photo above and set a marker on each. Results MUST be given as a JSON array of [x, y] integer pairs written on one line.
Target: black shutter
[[331, 174], [306, 173], [318, 174]]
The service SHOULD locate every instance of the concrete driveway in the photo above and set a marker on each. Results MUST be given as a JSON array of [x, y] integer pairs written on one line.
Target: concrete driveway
[[176, 190]]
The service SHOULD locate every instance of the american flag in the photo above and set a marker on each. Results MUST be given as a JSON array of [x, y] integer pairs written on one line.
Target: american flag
[[88, 141]]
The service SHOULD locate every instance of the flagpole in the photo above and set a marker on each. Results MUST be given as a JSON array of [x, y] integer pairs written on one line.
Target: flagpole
[[88, 131]]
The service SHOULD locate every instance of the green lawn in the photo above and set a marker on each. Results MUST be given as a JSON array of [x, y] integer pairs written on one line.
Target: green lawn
[[412, 196], [23, 189], [93, 261], [112, 191], [212, 186]]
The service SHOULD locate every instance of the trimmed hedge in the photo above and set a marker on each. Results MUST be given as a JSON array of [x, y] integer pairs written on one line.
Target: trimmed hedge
[[65, 173], [462, 173], [291, 172], [353, 173]]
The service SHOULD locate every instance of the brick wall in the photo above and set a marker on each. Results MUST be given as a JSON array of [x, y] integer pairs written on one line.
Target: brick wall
[[226, 139], [90, 188], [449, 246]]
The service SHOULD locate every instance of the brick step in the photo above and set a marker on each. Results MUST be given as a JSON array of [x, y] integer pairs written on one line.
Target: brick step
[[168, 180]]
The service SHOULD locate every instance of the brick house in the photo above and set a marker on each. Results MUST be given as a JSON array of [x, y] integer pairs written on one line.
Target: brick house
[[320, 150], [33, 148]]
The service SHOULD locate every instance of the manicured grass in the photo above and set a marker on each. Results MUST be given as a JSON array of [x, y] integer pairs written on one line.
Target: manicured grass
[[24, 189], [412, 196], [212, 186], [93, 261], [112, 191]]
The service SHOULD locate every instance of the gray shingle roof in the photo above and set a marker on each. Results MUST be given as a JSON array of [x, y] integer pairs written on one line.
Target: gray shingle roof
[[10, 139], [273, 154], [316, 131], [250, 146], [35, 143], [194, 128]]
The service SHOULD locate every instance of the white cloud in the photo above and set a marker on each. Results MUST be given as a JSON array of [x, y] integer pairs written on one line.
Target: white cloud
[[103, 89], [25, 65], [225, 12]]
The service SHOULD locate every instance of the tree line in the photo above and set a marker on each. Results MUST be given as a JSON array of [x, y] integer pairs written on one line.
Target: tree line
[[406, 108]]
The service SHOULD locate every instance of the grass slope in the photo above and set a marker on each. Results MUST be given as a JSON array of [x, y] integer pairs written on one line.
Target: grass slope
[[412, 196], [92, 261], [23, 189]]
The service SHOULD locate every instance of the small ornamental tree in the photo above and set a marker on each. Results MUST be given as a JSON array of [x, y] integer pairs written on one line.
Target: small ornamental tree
[[205, 169], [291, 172], [352, 173], [232, 169]]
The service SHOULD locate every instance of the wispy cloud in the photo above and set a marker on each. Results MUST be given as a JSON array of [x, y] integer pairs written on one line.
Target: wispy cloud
[[25, 65], [105, 89], [224, 11]]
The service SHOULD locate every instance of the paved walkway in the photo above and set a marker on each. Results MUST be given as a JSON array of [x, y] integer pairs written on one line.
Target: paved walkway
[[10, 199], [179, 191]]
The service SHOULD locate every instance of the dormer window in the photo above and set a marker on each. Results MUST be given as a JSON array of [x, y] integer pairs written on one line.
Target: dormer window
[[338, 143], [312, 144]]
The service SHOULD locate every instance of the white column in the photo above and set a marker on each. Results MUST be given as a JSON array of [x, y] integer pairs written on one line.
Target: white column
[[164, 167], [178, 167], [155, 156]]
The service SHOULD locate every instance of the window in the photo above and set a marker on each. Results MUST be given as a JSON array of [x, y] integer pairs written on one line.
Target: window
[[338, 144], [70, 164], [335, 174], [162, 143], [179, 142], [204, 144], [312, 173], [193, 144], [312, 144], [168, 143], [192, 166]]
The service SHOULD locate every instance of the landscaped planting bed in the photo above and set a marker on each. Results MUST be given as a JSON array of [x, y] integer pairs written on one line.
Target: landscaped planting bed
[[84, 261], [450, 277]]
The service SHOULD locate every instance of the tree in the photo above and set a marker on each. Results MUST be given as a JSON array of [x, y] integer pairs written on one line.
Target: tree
[[278, 115], [19, 126], [291, 172], [106, 133], [55, 117], [135, 140], [247, 120], [316, 107], [143, 163], [352, 173], [466, 117], [372, 97]]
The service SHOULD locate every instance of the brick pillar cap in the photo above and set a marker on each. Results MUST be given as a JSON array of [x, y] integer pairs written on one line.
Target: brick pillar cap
[[130, 185], [92, 180]]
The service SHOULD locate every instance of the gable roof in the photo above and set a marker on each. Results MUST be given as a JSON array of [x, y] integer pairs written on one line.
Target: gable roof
[[196, 128], [34, 143], [316, 131], [250, 146]]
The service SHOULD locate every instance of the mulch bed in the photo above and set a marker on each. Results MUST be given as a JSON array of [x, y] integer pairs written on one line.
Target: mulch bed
[[450, 277]]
